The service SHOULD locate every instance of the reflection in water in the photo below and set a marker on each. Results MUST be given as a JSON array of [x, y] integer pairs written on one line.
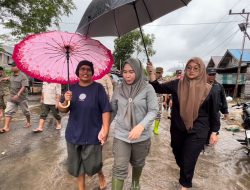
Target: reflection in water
[[38, 161]]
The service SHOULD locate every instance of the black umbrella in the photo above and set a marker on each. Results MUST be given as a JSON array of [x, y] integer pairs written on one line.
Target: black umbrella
[[118, 17]]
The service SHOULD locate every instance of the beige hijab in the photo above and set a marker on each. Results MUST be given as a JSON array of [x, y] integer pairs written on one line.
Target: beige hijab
[[192, 93]]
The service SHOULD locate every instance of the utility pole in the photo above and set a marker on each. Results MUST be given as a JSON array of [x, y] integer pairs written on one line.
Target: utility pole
[[243, 28]]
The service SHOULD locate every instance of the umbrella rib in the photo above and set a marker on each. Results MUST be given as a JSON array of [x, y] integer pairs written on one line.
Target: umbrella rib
[[81, 49], [143, 41], [53, 47], [183, 2], [71, 37], [55, 56], [61, 57], [85, 53], [63, 47], [80, 52], [78, 41], [56, 50], [151, 20], [64, 44], [114, 14]]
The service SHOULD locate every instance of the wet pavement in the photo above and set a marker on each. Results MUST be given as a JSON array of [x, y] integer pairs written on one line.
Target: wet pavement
[[31, 161]]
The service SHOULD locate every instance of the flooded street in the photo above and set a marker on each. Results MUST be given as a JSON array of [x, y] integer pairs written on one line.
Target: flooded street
[[31, 161]]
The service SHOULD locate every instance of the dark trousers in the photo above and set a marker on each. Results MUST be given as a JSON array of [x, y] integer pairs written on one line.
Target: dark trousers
[[186, 148], [45, 109]]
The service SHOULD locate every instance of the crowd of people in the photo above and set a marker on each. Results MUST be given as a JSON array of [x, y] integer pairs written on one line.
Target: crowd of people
[[194, 97]]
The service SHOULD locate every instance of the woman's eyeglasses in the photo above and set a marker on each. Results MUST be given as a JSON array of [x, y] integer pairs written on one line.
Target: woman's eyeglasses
[[195, 69], [82, 69]]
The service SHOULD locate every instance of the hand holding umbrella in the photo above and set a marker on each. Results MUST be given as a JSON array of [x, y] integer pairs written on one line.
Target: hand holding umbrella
[[151, 71], [67, 99]]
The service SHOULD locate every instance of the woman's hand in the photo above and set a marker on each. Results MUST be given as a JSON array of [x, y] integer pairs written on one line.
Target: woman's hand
[[213, 138], [150, 68], [136, 132], [151, 72]]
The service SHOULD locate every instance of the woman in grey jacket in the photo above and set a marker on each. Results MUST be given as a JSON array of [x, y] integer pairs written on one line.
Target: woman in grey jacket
[[135, 104]]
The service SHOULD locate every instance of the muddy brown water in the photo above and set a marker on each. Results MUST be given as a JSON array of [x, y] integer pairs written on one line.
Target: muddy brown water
[[31, 161]]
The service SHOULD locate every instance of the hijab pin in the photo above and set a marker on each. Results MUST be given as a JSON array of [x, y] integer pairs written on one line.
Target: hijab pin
[[130, 100]]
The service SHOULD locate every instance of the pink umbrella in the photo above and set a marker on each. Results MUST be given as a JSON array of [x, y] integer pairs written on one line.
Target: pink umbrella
[[53, 56]]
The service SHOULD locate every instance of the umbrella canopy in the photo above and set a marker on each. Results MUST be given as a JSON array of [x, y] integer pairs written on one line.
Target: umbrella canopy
[[54, 56], [118, 17]]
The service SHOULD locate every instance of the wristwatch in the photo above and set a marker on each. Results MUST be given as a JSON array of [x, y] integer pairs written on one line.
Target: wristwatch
[[216, 133]]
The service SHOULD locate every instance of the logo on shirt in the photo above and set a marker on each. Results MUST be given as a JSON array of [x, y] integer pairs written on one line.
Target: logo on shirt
[[82, 97]]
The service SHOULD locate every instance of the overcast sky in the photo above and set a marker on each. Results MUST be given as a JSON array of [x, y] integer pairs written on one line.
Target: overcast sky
[[204, 28]]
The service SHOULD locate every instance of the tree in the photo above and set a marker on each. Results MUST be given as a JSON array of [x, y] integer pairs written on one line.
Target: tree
[[32, 16], [131, 43]]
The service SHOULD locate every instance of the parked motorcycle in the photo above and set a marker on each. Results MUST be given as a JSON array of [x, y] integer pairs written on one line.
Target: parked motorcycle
[[246, 126]]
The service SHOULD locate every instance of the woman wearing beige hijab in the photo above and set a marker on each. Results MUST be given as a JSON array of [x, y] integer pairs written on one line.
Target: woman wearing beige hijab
[[193, 115]]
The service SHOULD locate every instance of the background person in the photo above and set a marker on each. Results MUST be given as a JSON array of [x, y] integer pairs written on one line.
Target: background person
[[219, 95], [88, 125], [178, 74], [135, 106], [162, 100], [51, 95], [18, 97], [4, 91], [193, 115], [107, 84], [219, 92]]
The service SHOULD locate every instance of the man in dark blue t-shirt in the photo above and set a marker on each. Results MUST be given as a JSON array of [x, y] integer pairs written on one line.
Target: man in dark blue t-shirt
[[88, 125]]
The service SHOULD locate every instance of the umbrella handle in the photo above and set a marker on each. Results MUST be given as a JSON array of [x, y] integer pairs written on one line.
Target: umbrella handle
[[62, 106]]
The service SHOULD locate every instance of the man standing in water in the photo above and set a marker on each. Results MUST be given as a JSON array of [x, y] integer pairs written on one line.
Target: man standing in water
[[88, 125]]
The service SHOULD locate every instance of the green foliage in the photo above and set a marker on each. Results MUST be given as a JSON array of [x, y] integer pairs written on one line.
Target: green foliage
[[7, 72], [32, 16], [131, 43]]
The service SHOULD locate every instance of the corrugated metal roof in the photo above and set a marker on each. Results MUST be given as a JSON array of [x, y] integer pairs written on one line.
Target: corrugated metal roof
[[8, 49], [237, 52]]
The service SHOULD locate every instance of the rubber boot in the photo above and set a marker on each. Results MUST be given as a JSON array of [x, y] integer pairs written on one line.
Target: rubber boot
[[157, 122], [136, 174], [117, 184]]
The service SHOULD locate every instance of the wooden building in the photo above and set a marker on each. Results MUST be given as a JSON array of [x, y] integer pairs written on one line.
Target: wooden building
[[227, 71]]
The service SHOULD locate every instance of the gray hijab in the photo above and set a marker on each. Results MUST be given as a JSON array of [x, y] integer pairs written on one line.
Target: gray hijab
[[131, 91]]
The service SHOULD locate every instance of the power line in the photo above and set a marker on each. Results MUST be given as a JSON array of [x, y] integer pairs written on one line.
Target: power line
[[222, 31], [231, 35], [220, 28], [177, 24]]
